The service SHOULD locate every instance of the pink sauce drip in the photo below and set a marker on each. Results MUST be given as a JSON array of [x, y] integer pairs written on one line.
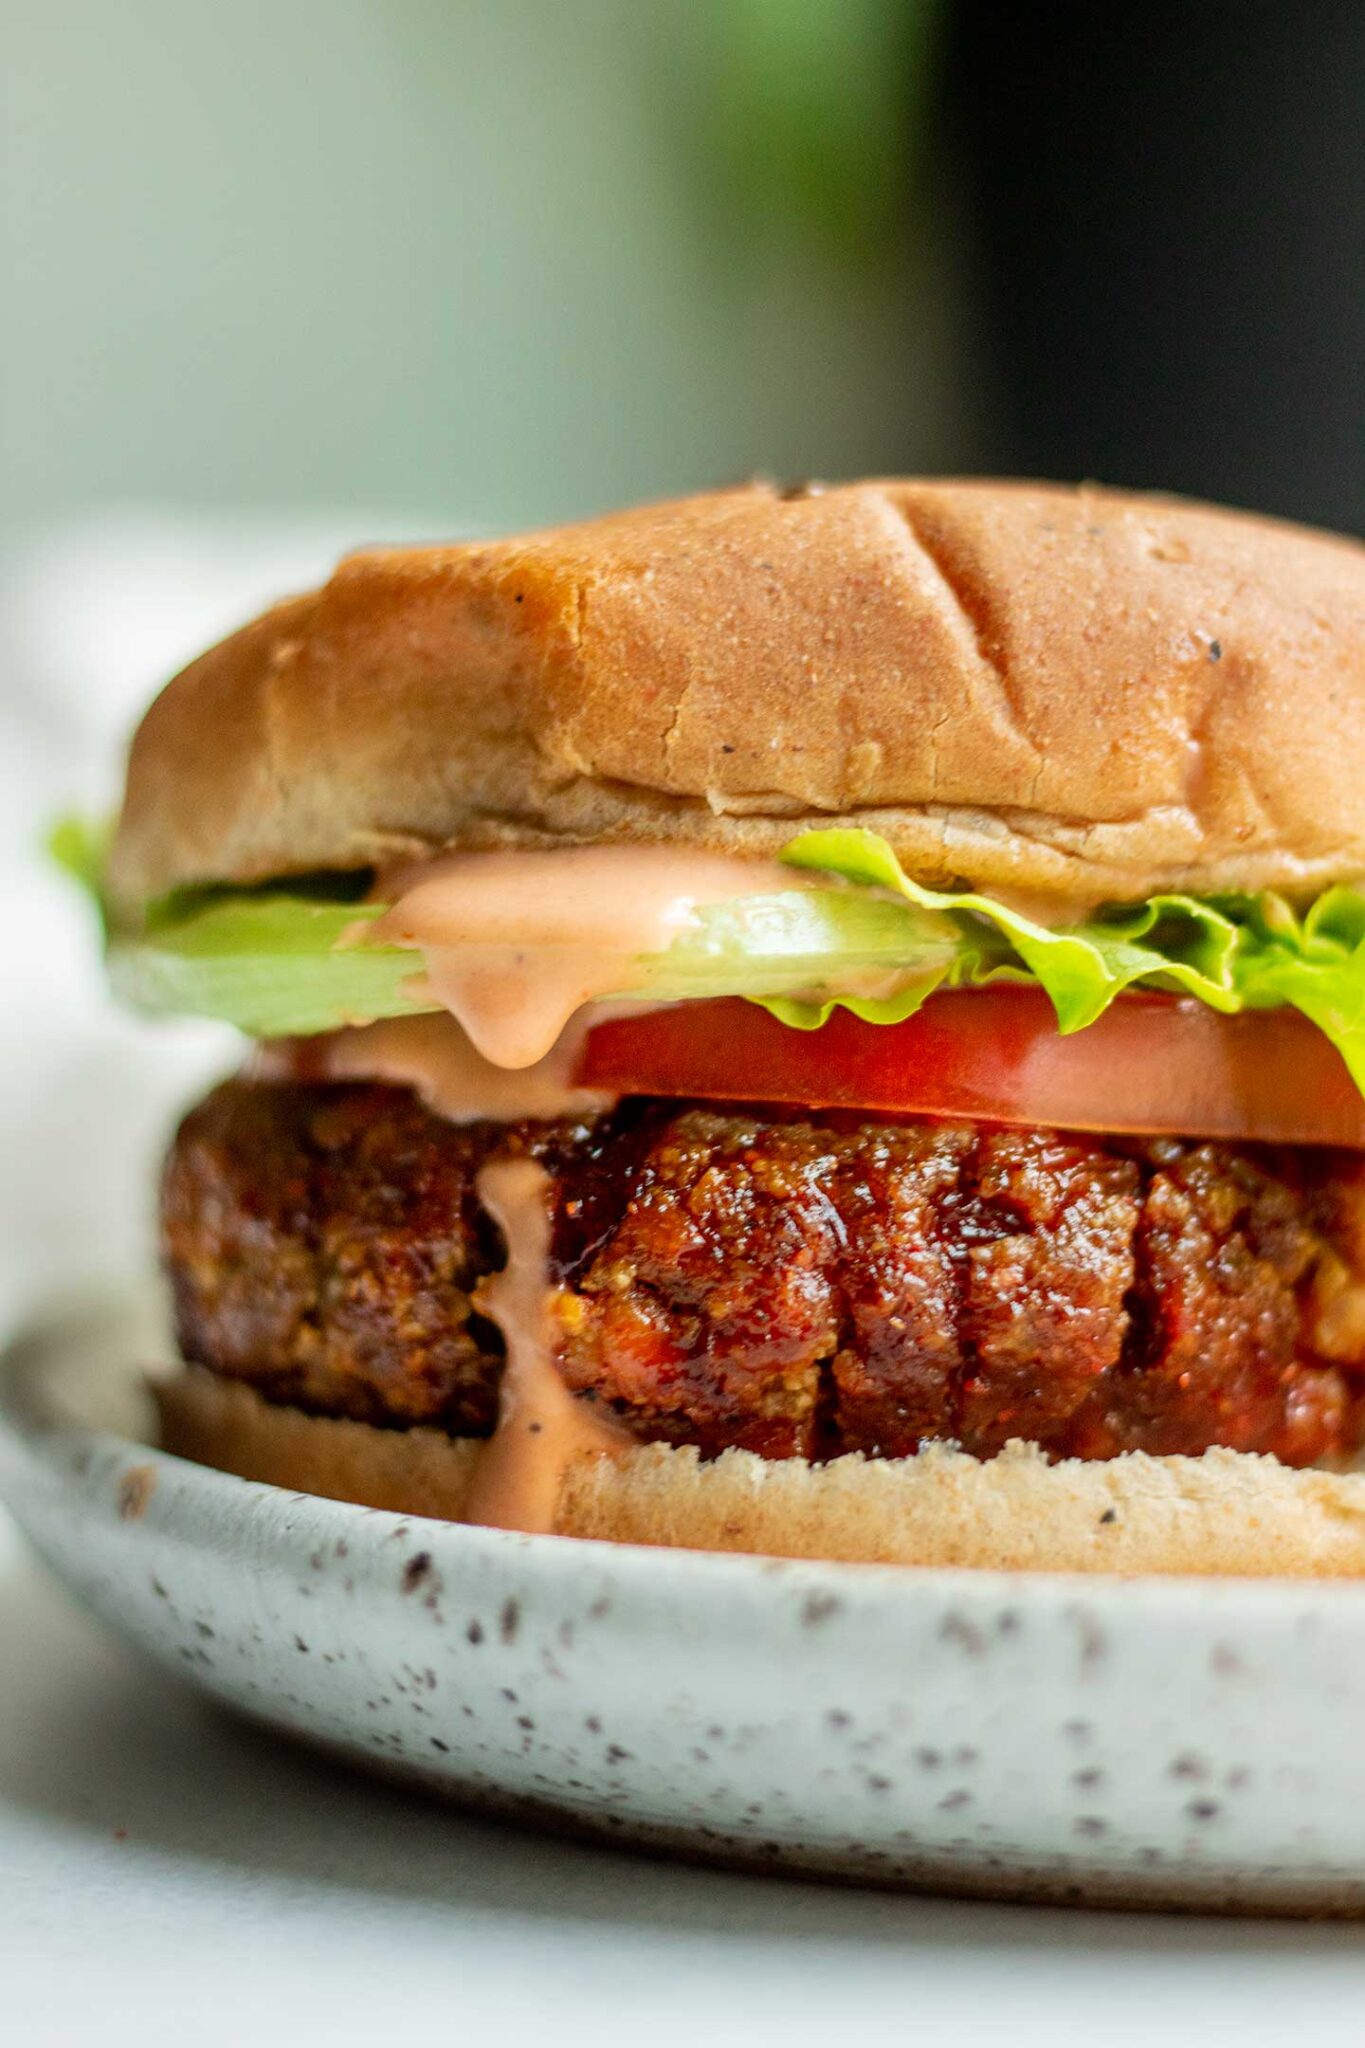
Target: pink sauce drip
[[542, 1428], [433, 1056], [515, 944]]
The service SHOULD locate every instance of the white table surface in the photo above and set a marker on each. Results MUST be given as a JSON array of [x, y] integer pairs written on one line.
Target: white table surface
[[167, 1874]]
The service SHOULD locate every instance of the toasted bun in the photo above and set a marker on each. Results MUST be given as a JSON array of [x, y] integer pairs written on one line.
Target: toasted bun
[[1067, 692], [1223, 1513]]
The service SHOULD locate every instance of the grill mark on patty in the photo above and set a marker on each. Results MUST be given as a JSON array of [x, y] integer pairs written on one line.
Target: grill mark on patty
[[978, 1222], [786, 1283], [1048, 1220]]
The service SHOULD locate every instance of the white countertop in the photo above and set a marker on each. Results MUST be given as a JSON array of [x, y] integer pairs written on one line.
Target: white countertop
[[168, 1874]]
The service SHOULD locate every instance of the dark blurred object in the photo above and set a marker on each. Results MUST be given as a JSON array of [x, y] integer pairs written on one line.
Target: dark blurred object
[[1170, 213]]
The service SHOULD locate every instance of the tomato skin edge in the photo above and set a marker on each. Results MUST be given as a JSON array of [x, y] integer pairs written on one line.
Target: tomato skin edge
[[1152, 1064]]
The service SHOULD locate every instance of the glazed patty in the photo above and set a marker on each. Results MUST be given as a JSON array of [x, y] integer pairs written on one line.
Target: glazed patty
[[786, 1285]]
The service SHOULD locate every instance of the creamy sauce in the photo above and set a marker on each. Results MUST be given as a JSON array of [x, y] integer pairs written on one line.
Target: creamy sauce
[[515, 944], [434, 1056], [542, 1428]]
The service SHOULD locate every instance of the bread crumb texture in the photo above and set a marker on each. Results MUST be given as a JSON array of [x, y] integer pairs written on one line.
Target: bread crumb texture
[[1223, 1513]]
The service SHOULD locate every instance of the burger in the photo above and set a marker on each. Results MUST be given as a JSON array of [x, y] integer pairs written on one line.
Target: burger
[[826, 1022]]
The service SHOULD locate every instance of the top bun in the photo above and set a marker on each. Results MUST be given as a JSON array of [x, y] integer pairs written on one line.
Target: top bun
[[1069, 693]]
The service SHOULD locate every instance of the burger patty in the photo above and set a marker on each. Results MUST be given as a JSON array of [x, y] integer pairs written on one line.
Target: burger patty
[[787, 1284]]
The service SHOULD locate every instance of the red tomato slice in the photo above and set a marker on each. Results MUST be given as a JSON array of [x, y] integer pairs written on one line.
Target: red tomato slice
[[1152, 1063]]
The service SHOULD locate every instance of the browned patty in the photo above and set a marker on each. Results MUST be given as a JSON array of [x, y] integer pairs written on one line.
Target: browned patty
[[789, 1285]]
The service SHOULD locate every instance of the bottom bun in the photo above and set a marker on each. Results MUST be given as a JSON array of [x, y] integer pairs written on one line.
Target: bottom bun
[[1225, 1512]]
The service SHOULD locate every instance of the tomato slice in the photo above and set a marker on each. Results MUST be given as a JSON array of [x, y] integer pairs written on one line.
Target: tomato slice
[[1151, 1063]]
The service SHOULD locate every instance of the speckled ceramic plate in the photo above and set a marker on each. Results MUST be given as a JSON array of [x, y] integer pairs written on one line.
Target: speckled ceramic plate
[[1159, 1742]]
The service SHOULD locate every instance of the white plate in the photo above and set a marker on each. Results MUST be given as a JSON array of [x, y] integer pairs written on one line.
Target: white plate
[[1146, 1741]]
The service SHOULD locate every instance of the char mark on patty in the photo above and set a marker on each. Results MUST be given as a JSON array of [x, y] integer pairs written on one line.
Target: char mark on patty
[[788, 1285]]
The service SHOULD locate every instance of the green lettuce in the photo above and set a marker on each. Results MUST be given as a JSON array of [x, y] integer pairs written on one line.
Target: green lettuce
[[291, 960], [81, 847], [1174, 942], [1231, 952], [1315, 962], [276, 964]]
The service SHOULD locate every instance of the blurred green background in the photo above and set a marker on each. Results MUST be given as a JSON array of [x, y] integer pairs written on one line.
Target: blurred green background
[[479, 262], [465, 261]]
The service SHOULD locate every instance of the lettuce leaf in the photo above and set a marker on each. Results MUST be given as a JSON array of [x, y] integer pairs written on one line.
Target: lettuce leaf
[[1233, 953], [278, 965], [1316, 963], [80, 846], [275, 966], [279, 961], [1174, 942]]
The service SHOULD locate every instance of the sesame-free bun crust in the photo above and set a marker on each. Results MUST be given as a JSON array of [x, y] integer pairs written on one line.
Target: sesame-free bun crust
[[1068, 692], [1225, 1513]]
